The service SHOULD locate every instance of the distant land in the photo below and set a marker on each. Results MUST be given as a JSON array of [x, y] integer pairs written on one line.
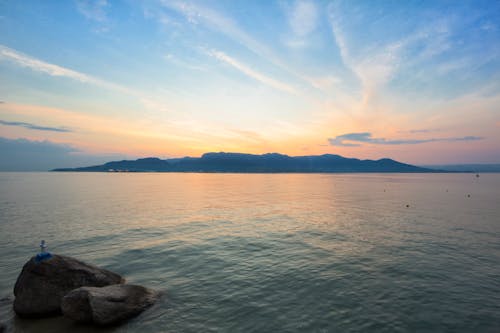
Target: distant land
[[485, 168], [248, 163]]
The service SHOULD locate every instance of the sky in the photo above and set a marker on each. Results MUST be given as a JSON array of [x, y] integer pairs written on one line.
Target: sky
[[84, 82]]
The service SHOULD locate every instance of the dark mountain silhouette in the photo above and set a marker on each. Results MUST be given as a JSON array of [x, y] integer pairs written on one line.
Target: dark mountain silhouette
[[248, 163], [483, 168]]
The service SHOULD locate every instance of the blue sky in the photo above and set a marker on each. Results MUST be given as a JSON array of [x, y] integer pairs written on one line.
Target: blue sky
[[417, 81]]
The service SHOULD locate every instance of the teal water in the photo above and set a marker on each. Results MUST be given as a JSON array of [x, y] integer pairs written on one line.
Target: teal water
[[269, 252]]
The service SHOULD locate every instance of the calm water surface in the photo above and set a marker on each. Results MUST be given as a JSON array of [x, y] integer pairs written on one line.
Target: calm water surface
[[269, 252]]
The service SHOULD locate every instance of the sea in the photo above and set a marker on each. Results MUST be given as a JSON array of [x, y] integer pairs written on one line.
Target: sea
[[268, 252]]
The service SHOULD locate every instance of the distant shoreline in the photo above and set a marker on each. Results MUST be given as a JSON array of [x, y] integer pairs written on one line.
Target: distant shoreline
[[248, 163], [261, 172]]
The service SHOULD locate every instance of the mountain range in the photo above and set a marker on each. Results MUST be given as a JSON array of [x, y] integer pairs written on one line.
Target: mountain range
[[249, 163]]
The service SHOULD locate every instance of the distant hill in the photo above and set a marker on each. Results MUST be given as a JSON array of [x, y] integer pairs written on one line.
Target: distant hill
[[248, 163], [485, 168]]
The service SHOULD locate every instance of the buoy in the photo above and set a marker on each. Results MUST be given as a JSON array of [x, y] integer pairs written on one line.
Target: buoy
[[407, 206]]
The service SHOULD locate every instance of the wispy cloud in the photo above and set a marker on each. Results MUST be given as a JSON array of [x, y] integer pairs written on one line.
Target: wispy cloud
[[356, 140], [253, 73], [422, 130], [26, 61], [34, 127], [436, 37], [374, 70], [303, 19], [214, 20], [93, 9], [223, 24], [376, 64], [183, 63], [325, 82], [37, 65]]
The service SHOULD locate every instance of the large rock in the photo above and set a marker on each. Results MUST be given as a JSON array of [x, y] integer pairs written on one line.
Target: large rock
[[41, 285], [107, 305]]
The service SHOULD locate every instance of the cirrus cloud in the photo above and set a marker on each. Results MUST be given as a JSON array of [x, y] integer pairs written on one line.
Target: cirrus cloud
[[34, 127], [93, 10]]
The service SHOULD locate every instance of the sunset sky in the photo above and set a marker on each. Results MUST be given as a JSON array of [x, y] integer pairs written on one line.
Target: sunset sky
[[85, 82]]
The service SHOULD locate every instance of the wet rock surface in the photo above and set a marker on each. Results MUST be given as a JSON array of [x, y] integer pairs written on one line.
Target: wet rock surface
[[107, 305], [41, 285]]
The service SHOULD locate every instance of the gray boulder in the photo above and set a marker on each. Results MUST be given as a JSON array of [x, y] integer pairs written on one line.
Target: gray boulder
[[107, 305], [41, 285]]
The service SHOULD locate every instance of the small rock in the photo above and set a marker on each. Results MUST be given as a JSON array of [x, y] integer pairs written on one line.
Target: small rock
[[407, 206], [41, 285], [107, 305]]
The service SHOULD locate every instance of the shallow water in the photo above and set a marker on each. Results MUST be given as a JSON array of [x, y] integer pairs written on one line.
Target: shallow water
[[269, 252]]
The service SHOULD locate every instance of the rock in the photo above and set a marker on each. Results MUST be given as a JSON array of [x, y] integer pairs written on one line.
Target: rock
[[3, 328], [41, 285], [107, 305]]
